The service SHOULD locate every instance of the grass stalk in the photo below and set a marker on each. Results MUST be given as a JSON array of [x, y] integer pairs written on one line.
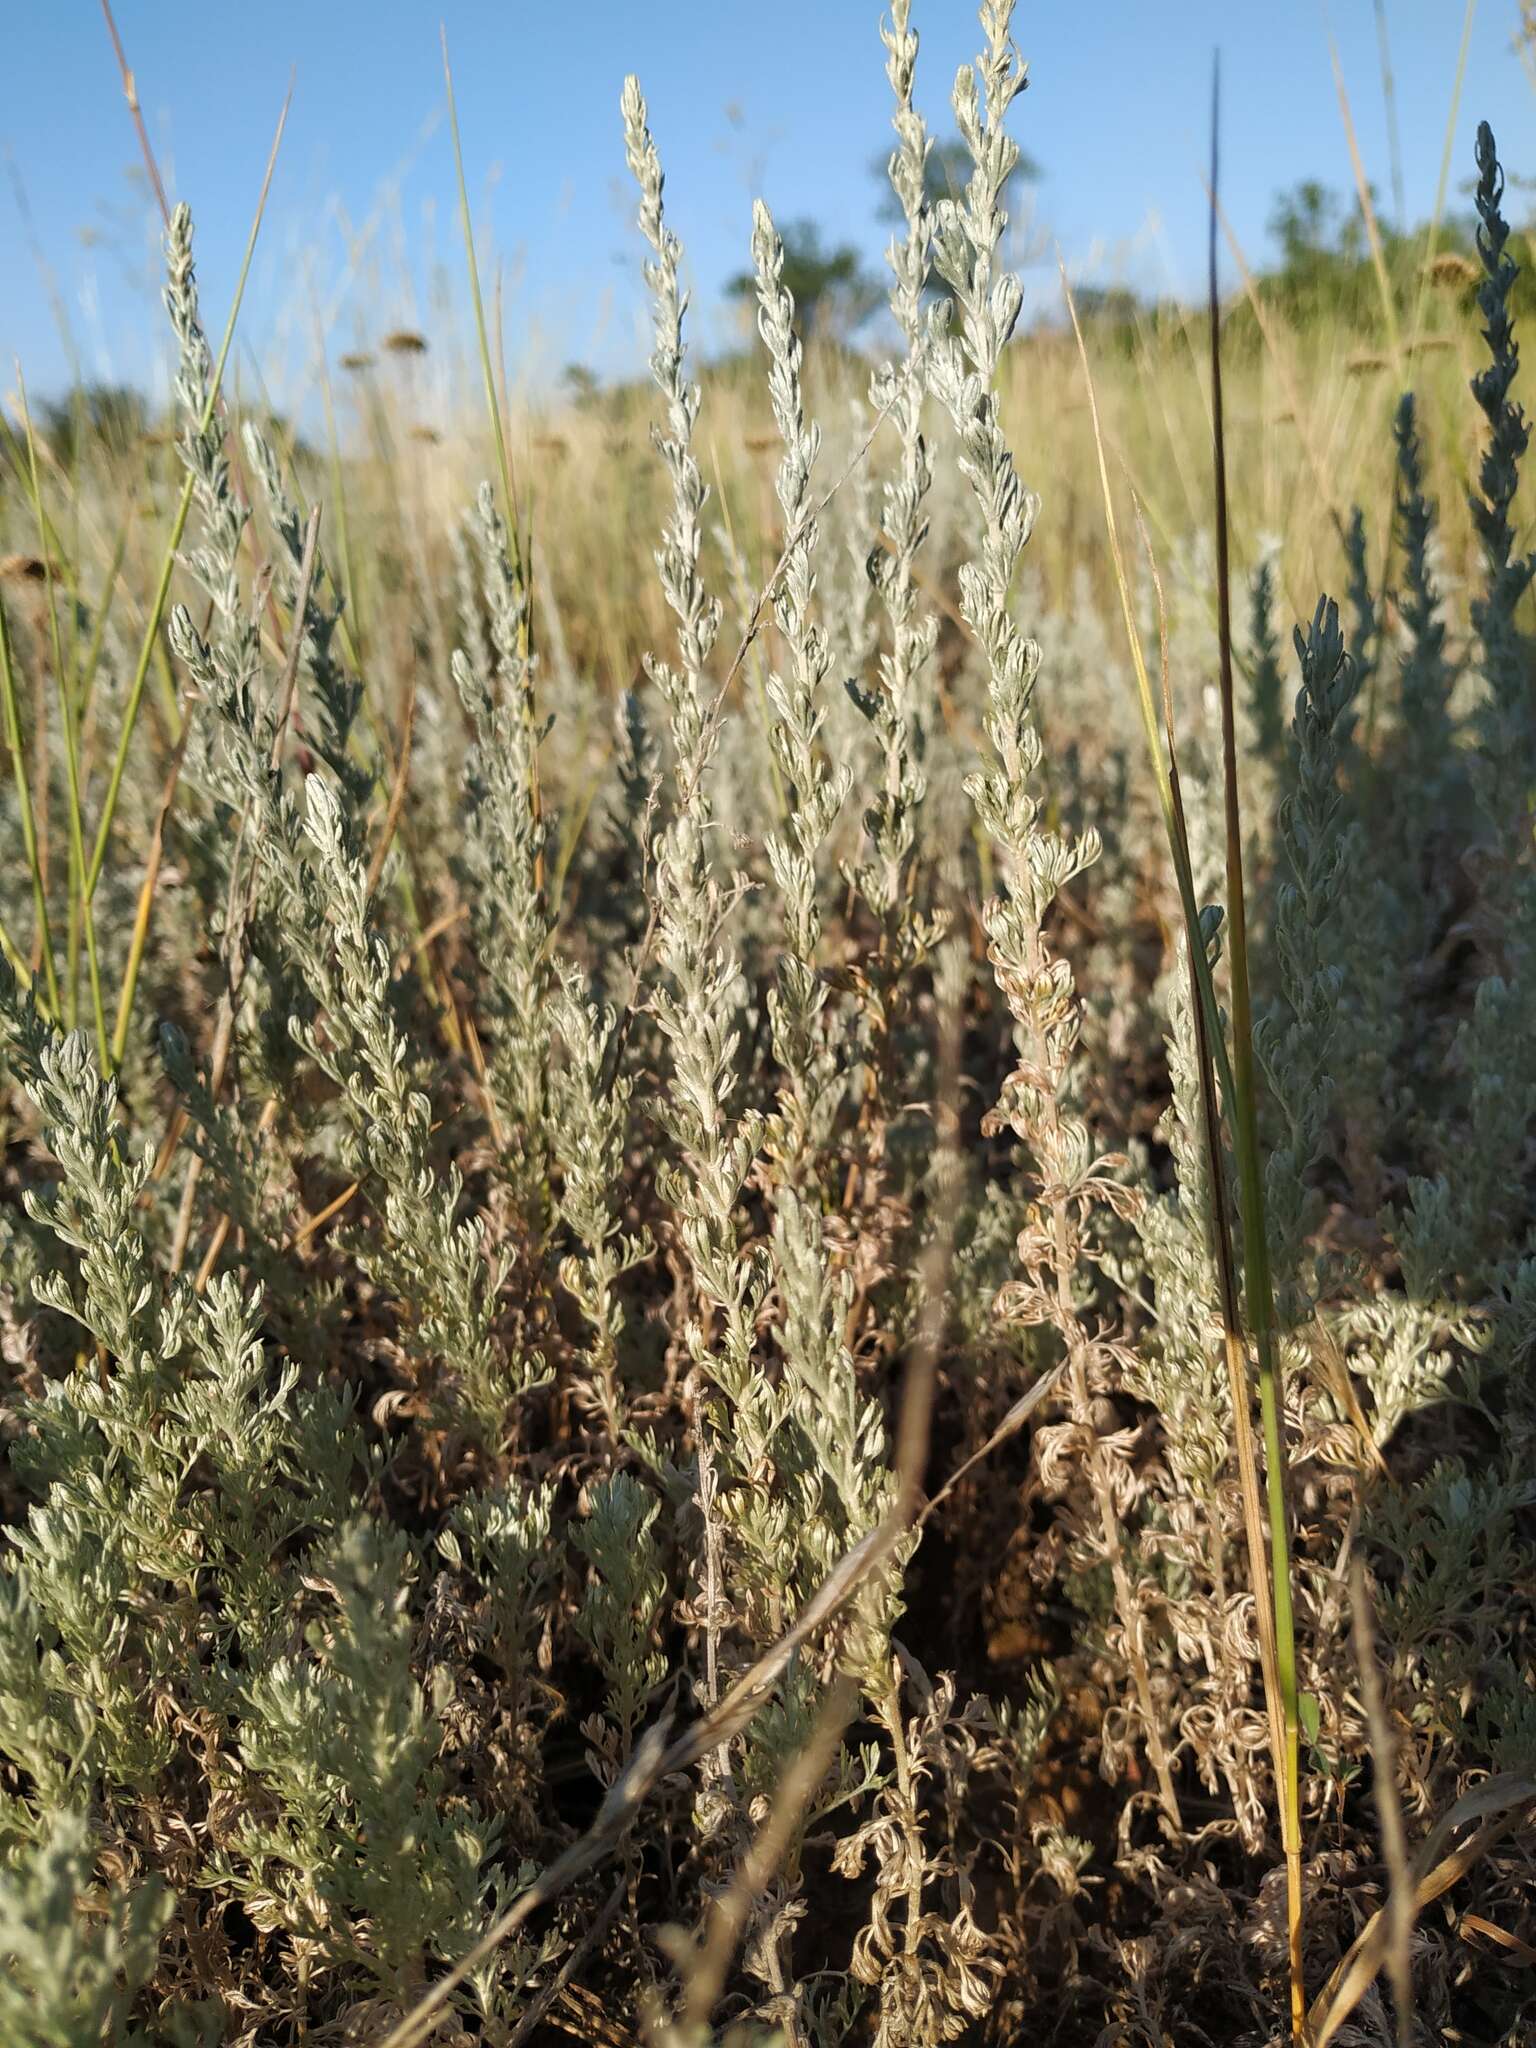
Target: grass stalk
[[18, 753], [140, 933], [482, 335], [1259, 1286], [14, 955], [1368, 211], [503, 460], [131, 95], [1264, 319], [85, 681], [1219, 1084], [1389, 106], [1208, 1038], [80, 914], [1442, 185]]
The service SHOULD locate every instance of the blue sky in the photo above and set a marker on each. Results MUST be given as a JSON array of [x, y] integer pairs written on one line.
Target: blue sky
[[788, 98]]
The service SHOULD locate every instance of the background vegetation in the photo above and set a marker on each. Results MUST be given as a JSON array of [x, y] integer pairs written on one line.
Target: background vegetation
[[766, 1254]]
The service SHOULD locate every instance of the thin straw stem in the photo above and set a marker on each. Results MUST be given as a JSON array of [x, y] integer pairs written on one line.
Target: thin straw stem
[[80, 902], [1244, 1105], [18, 754]]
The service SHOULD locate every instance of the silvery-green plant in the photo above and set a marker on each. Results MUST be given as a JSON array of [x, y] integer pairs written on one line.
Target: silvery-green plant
[[71, 1972], [436, 1264], [1364, 606], [1426, 676], [898, 703], [806, 1037], [1493, 1050], [329, 721], [1038, 1102], [599, 1180], [1177, 1365], [1266, 684], [590, 1105], [1508, 764], [1295, 1040], [697, 997], [764, 1545], [505, 842], [348, 1743]]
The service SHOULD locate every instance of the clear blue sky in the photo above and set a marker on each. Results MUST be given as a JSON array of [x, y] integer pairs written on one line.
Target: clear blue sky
[[788, 98]]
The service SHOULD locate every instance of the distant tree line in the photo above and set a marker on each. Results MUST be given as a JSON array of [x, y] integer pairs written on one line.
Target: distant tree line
[[1326, 268], [1323, 267], [1323, 270]]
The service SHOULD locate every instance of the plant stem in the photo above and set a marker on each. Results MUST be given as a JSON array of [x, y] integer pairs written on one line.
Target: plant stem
[[1259, 1286], [13, 741], [80, 902]]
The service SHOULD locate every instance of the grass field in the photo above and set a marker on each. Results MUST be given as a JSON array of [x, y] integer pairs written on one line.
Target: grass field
[[766, 1250]]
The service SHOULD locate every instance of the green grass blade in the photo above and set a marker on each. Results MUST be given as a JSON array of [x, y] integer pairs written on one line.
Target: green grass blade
[[86, 678], [1258, 1283], [482, 335], [493, 408], [18, 754], [81, 917]]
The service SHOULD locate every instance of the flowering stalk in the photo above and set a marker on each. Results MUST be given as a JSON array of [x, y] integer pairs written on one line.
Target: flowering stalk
[[1039, 1098]]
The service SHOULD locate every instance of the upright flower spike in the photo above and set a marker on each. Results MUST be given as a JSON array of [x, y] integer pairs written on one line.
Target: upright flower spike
[[886, 869], [1365, 619], [433, 1262], [591, 1108], [230, 750], [697, 996], [1266, 684], [1495, 1047], [898, 710], [1295, 1041], [1040, 1098], [201, 447], [504, 847], [815, 790], [338, 695], [1510, 715], [1426, 678]]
